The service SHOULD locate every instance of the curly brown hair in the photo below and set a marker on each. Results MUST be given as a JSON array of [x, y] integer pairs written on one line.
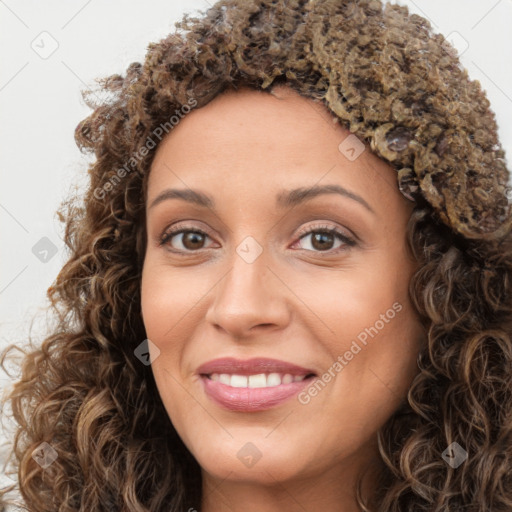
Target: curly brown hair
[[399, 87]]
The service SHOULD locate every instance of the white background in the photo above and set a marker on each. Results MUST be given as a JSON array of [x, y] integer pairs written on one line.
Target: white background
[[40, 107]]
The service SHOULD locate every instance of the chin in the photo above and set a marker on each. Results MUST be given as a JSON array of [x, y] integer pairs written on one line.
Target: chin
[[260, 461]]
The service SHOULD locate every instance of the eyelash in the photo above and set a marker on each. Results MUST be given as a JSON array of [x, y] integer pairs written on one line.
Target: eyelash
[[348, 242]]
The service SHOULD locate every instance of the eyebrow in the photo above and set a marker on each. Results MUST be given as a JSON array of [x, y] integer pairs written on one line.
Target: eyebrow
[[284, 199]]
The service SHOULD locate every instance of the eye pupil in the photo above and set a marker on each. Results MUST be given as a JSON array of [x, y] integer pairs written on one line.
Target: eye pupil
[[320, 238], [192, 238]]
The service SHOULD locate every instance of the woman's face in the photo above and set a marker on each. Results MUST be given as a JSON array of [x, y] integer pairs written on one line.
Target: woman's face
[[289, 259]]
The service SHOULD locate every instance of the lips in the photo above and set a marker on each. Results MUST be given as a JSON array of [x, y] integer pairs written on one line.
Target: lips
[[252, 385], [251, 367]]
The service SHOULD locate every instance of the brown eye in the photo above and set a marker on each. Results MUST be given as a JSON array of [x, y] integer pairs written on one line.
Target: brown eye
[[185, 239], [192, 240], [323, 239]]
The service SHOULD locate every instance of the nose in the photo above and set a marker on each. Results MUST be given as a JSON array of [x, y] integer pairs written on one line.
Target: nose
[[250, 296]]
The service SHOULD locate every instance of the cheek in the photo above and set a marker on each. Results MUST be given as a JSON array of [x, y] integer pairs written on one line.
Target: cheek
[[167, 295], [172, 303], [167, 303], [373, 327], [350, 301]]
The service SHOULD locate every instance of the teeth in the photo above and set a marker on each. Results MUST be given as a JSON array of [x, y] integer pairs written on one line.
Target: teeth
[[224, 378], [273, 379], [238, 381], [261, 380], [257, 381], [287, 379]]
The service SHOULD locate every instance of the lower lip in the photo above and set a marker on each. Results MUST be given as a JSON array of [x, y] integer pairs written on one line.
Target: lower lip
[[251, 399]]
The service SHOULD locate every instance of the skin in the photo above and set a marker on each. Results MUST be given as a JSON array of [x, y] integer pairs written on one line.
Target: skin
[[298, 301]]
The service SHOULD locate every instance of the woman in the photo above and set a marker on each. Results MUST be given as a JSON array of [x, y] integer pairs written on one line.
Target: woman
[[289, 282]]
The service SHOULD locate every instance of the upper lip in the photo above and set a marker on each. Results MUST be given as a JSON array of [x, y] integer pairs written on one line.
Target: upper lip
[[251, 366]]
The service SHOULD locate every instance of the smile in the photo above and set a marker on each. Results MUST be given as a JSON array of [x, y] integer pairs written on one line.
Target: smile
[[253, 385]]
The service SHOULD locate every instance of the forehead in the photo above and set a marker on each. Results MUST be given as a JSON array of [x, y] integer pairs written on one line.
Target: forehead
[[248, 143]]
